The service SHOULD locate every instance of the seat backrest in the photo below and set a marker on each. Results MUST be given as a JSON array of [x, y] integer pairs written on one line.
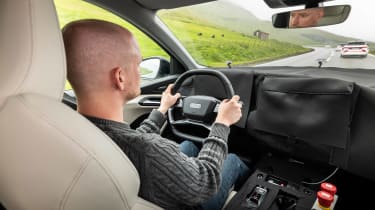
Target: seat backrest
[[50, 156]]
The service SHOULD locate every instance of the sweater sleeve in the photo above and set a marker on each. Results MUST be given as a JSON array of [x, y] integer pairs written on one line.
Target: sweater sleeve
[[153, 123], [189, 180]]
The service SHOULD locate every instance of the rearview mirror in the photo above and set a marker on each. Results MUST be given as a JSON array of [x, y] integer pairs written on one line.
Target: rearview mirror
[[312, 17], [290, 3]]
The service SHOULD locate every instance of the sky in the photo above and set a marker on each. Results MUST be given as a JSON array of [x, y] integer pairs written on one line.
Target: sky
[[360, 23]]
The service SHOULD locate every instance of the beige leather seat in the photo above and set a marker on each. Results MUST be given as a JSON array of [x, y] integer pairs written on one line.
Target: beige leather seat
[[50, 156]]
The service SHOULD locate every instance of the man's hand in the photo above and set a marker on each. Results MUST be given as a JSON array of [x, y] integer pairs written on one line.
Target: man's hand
[[167, 99], [229, 111]]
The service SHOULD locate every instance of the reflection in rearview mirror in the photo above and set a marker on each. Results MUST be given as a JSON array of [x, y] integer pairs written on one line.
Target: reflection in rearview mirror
[[312, 17], [305, 18]]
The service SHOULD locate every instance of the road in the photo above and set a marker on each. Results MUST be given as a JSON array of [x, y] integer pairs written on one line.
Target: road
[[329, 55]]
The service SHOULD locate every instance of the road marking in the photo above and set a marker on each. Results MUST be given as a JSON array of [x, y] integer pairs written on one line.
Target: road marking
[[330, 56], [371, 55]]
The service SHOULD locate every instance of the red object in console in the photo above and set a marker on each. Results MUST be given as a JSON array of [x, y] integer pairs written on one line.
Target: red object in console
[[328, 187], [325, 198]]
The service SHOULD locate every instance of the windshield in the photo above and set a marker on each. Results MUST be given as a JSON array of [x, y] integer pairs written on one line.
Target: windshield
[[241, 32]]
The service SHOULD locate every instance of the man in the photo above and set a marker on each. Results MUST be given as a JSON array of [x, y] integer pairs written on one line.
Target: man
[[103, 69], [305, 18]]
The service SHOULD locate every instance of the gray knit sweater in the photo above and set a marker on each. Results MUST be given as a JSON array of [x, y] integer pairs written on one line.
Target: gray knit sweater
[[169, 178]]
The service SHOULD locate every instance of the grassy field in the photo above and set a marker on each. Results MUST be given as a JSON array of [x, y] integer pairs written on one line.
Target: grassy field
[[203, 40], [70, 10], [195, 34]]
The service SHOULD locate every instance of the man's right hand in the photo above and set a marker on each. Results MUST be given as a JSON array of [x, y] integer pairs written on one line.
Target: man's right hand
[[229, 111]]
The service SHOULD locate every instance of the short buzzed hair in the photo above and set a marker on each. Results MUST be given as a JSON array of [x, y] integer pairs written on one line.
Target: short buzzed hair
[[93, 47]]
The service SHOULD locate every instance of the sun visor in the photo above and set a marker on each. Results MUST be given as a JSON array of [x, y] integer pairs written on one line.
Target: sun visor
[[290, 3], [169, 4]]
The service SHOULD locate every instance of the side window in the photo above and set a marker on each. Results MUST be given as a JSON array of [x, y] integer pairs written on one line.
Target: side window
[[154, 56]]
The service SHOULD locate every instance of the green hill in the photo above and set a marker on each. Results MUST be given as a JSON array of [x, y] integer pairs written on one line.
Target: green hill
[[203, 39]]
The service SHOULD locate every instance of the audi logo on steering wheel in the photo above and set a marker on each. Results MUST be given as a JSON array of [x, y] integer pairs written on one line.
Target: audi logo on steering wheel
[[195, 106]]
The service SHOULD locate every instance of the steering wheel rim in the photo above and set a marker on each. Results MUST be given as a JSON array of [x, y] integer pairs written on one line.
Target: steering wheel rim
[[224, 80], [228, 90]]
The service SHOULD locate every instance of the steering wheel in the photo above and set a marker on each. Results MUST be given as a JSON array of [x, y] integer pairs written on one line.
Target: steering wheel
[[198, 110]]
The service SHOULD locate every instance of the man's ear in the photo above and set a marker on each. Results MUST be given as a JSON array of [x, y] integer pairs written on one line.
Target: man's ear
[[321, 13], [118, 77]]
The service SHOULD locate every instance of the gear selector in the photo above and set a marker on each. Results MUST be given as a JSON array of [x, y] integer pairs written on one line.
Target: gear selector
[[255, 198]]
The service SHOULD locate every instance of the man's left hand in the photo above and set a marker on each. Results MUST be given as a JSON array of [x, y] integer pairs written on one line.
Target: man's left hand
[[167, 99]]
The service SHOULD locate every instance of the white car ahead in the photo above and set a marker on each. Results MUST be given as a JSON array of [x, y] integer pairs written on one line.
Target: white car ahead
[[355, 49]]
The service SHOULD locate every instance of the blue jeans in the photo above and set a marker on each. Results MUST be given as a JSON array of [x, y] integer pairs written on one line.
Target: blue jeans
[[234, 173]]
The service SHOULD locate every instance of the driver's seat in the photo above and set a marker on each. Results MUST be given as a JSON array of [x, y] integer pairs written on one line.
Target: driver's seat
[[50, 156]]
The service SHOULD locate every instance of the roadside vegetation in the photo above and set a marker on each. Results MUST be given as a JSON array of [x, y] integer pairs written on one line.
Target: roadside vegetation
[[372, 50], [203, 40], [371, 46]]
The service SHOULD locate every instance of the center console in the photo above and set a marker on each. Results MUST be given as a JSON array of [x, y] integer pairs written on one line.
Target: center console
[[264, 191]]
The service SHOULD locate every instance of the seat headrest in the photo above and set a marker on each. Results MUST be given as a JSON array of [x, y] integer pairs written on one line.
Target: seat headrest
[[32, 56]]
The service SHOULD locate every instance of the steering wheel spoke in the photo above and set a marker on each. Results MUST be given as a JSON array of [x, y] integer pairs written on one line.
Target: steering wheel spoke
[[191, 122], [180, 103], [216, 109]]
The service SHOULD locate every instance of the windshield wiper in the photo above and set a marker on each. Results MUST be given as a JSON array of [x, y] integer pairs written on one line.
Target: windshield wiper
[[229, 64]]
